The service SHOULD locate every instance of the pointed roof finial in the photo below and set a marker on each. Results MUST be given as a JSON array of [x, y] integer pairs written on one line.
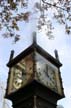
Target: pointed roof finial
[[56, 54], [11, 55], [34, 38]]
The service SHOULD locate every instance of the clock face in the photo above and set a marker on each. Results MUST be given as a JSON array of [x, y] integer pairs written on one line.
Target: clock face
[[21, 74], [47, 73]]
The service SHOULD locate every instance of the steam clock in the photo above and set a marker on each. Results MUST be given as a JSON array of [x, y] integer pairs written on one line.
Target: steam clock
[[34, 79]]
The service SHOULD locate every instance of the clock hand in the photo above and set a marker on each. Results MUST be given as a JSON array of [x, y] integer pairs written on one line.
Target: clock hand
[[46, 70]]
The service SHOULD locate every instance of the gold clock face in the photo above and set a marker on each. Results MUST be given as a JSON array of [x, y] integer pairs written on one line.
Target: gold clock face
[[21, 74], [47, 74]]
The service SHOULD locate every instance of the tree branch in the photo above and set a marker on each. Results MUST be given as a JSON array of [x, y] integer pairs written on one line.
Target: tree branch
[[53, 5]]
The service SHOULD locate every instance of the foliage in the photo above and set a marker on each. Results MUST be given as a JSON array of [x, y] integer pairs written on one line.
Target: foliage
[[10, 15]]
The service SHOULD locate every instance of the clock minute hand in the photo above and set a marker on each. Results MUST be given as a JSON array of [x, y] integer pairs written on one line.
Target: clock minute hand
[[46, 70]]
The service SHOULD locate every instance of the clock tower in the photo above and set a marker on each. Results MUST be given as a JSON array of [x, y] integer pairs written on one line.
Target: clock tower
[[34, 79]]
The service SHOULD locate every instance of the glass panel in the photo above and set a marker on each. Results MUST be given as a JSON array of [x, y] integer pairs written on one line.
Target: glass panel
[[46, 72], [21, 73]]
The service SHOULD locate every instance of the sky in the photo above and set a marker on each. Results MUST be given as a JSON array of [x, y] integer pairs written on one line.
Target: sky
[[61, 42]]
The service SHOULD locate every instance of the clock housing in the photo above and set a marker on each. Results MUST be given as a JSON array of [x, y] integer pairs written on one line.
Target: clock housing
[[34, 63]]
